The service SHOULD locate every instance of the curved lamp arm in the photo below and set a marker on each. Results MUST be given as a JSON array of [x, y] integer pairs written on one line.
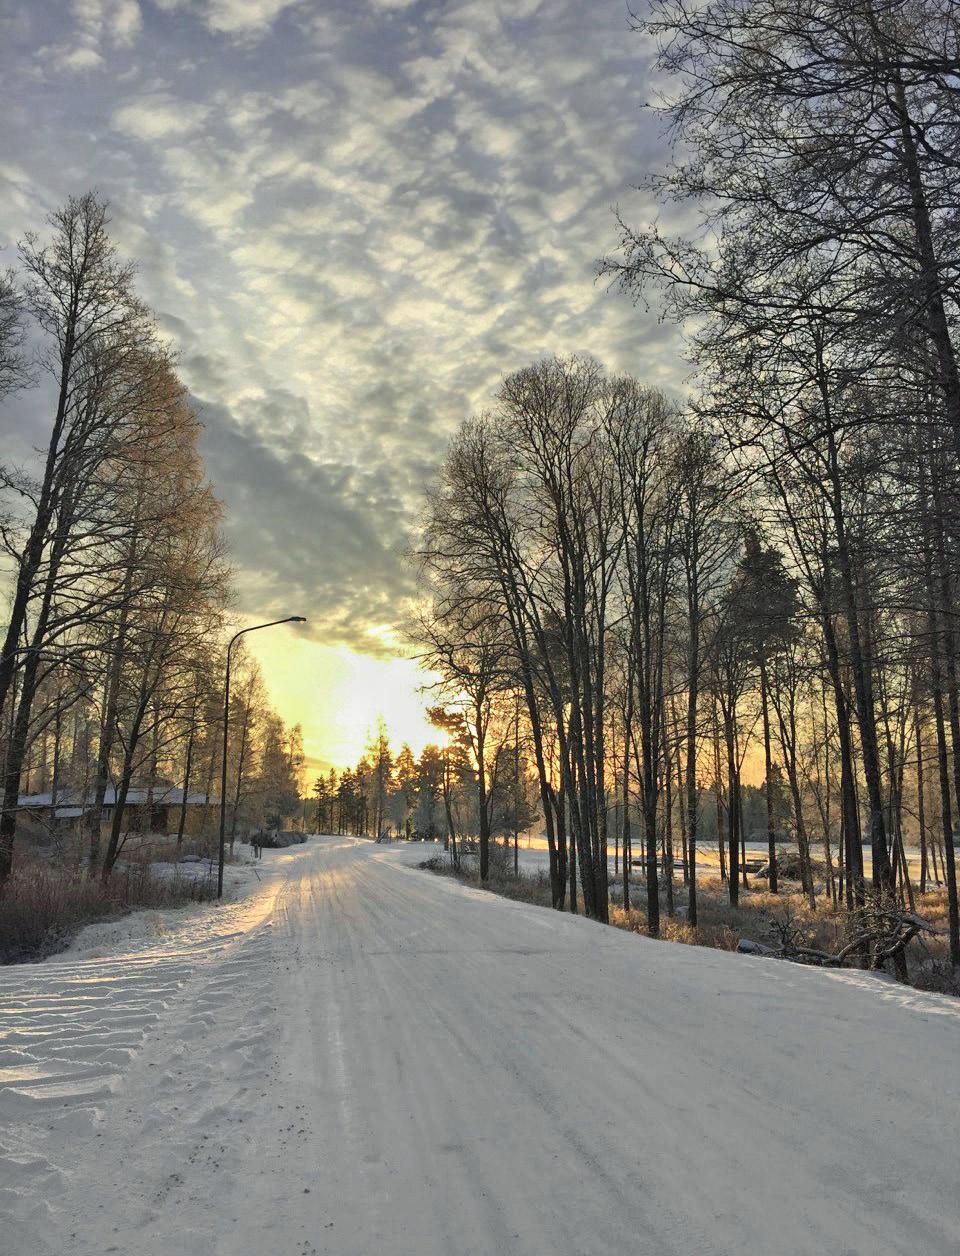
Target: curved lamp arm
[[291, 619]]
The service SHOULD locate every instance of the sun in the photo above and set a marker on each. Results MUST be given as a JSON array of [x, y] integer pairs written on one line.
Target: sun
[[338, 694]]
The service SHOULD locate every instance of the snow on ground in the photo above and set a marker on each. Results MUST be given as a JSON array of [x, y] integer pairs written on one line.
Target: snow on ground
[[358, 1058], [191, 925], [534, 857], [69, 1027]]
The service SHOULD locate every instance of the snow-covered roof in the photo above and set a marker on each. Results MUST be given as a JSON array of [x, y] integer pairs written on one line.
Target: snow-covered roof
[[39, 800], [138, 796]]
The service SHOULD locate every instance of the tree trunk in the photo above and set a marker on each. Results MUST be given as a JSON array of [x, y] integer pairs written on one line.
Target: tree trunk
[[182, 821], [921, 811], [484, 817], [733, 806], [938, 326], [768, 783], [668, 823]]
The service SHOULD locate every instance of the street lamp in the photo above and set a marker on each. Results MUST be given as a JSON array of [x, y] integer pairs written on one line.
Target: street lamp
[[292, 619]]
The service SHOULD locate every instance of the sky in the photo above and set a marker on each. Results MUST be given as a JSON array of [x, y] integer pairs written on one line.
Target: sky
[[352, 217]]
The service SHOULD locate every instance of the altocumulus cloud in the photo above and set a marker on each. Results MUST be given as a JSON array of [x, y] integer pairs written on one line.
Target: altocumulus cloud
[[353, 218]]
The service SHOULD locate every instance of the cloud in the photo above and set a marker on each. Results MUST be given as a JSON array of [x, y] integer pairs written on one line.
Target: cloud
[[99, 27], [158, 115], [235, 16], [242, 18], [323, 536], [113, 22], [352, 222]]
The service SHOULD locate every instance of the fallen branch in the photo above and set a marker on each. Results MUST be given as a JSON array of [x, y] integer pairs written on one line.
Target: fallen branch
[[884, 931]]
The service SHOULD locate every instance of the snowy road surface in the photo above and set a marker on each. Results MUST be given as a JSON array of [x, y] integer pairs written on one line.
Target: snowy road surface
[[367, 1060]]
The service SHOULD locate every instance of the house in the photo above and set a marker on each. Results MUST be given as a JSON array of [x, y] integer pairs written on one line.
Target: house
[[146, 810]]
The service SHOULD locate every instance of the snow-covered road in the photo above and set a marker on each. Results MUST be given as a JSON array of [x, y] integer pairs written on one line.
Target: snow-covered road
[[366, 1060]]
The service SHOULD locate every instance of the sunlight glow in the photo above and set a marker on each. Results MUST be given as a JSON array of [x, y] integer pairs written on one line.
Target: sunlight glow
[[338, 695]]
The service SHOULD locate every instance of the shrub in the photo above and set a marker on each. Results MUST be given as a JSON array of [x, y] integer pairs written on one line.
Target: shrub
[[42, 907], [436, 863], [279, 839]]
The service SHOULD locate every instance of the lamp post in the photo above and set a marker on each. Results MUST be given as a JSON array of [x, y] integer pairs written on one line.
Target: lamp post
[[292, 619]]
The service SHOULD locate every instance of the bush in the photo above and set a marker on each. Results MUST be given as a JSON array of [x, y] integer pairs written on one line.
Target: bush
[[436, 863], [279, 839], [501, 855], [790, 868], [43, 907], [163, 848]]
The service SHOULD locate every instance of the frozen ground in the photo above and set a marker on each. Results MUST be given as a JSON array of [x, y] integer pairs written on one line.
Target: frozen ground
[[362, 1059]]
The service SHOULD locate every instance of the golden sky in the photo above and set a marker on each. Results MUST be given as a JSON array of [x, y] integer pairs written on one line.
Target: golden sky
[[337, 695]]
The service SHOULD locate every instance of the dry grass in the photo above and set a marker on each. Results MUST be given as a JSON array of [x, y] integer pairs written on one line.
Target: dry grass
[[163, 848], [721, 926], [43, 905], [525, 888]]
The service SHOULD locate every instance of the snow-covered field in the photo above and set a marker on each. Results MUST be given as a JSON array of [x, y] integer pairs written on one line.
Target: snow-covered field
[[355, 1057], [533, 855]]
